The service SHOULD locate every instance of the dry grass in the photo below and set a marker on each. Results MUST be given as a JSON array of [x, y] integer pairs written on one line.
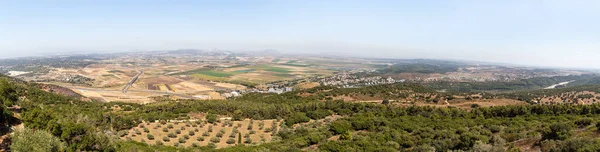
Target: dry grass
[[307, 85]]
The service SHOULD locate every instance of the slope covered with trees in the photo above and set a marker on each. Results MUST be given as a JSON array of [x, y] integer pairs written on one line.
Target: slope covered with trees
[[73, 125]]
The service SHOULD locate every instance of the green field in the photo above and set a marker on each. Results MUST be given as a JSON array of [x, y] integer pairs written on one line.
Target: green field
[[244, 71], [216, 73], [115, 71], [297, 65], [207, 72], [272, 69], [284, 75], [207, 77]]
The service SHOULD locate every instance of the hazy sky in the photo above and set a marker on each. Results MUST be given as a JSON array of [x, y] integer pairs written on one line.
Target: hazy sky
[[561, 33]]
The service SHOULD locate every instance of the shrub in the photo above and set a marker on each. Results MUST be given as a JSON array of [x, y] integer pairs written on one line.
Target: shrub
[[340, 126], [237, 115], [166, 139], [195, 145], [495, 128], [210, 129], [170, 126], [191, 133], [165, 130], [219, 134], [150, 136], [557, 131], [186, 136], [181, 140], [138, 132], [200, 138], [298, 117], [583, 122], [122, 133], [261, 125], [146, 130], [346, 136], [230, 141], [171, 135], [178, 131], [182, 128], [205, 134], [215, 139], [252, 132], [158, 142], [318, 114], [211, 145], [211, 118], [30, 140], [248, 141]]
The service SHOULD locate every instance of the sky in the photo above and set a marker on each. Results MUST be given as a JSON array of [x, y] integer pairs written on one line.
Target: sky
[[549, 33]]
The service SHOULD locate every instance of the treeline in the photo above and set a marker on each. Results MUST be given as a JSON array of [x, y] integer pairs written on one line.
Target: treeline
[[530, 96], [420, 68], [521, 84]]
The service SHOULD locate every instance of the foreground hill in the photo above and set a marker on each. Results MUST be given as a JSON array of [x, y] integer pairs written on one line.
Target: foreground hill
[[303, 121]]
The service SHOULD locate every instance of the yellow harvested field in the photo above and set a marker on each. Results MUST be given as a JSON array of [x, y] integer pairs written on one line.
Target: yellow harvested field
[[215, 95], [307, 85], [230, 86], [190, 86], [162, 87]]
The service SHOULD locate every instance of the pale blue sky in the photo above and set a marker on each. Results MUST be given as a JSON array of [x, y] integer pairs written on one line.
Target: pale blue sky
[[559, 33]]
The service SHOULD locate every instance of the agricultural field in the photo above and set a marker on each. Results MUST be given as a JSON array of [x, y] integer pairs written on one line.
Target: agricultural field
[[223, 133], [255, 74]]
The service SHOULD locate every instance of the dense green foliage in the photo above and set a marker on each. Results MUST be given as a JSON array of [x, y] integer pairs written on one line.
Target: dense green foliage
[[27, 140], [91, 126]]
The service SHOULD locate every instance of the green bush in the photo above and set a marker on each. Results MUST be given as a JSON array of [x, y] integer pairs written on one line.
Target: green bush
[[557, 131], [583, 122], [150, 136], [340, 126], [211, 118], [298, 117], [29, 140], [215, 139], [230, 141], [171, 135]]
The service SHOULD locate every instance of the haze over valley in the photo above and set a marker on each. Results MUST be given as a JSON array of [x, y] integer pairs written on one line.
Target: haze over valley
[[331, 76]]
